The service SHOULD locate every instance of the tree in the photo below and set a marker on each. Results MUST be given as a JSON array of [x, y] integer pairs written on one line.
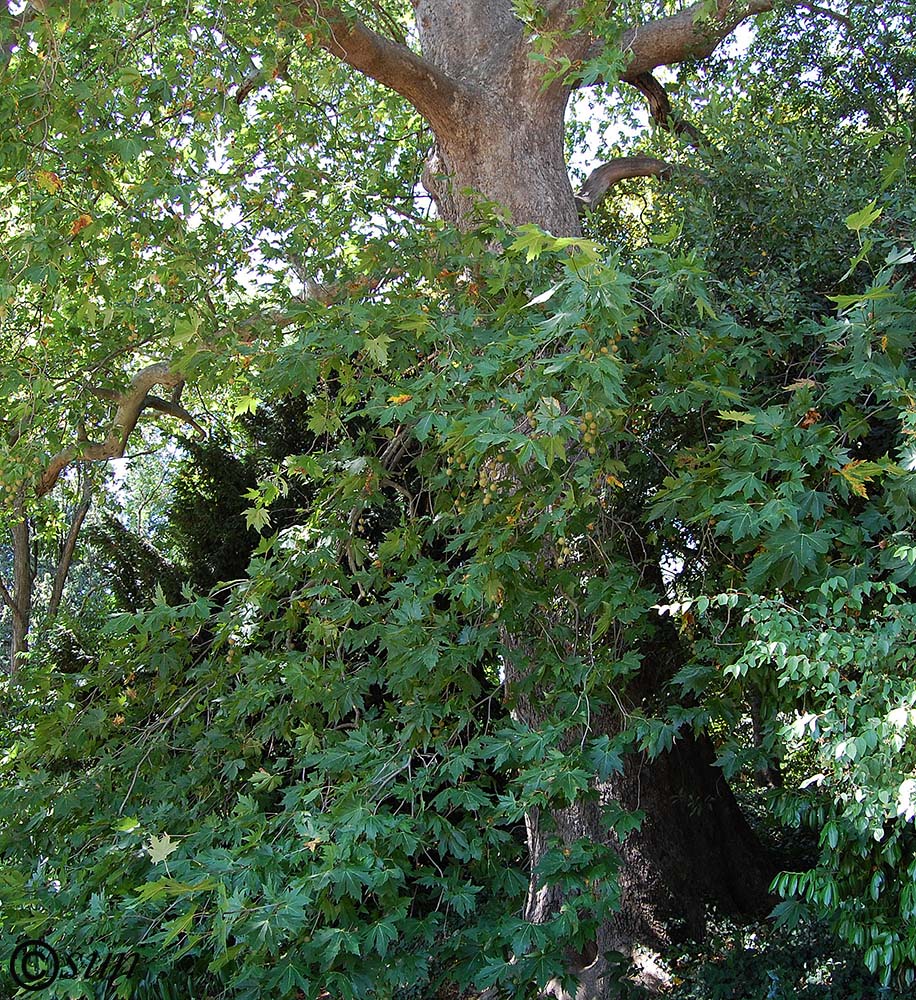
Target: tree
[[602, 418]]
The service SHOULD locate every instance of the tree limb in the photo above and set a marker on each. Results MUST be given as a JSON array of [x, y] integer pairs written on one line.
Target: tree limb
[[7, 597], [170, 407], [603, 178], [394, 65], [661, 112], [833, 15], [130, 405], [684, 35]]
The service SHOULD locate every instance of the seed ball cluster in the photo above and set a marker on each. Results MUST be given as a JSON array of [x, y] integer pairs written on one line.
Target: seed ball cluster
[[589, 429]]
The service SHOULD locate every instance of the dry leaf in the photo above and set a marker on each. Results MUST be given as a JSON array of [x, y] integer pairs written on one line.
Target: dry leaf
[[80, 224]]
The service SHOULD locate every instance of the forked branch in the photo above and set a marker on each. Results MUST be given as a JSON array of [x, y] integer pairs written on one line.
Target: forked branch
[[130, 404]]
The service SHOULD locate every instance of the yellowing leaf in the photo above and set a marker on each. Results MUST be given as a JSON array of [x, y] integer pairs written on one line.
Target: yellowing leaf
[[857, 473], [159, 848], [741, 418], [48, 181], [246, 404], [80, 224], [397, 400]]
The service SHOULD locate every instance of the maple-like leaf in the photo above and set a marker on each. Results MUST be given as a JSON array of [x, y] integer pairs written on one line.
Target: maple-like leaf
[[48, 181], [159, 848], [859, 472]]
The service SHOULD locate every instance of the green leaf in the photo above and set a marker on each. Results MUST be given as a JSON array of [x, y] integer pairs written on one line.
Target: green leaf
[[864, 217], [377, 349], [668, 236]]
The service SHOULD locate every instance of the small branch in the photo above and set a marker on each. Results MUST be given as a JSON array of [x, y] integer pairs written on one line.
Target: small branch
[[833, 15], [603, 178], [259, 79], [661, 112], [173, 409], [7, 597], [390, 63]]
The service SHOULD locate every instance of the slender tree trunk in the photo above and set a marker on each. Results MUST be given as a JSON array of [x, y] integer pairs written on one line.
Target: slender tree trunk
[[68, 549], [694, 848], [23, 580]]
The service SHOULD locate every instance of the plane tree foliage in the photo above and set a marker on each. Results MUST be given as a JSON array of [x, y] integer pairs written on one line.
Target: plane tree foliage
[[551, 510]]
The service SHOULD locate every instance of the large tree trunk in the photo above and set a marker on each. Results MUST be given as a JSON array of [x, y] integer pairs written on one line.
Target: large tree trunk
[[498, 118], [694, 849]]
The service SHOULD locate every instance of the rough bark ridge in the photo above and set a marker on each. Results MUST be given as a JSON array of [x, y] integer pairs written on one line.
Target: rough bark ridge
[[499, 127], [504, 140]]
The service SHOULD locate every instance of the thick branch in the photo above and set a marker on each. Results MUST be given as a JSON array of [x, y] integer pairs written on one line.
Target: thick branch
[[130, 406], [660, 109], [685, 35], [388, 62], [603, 178]]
